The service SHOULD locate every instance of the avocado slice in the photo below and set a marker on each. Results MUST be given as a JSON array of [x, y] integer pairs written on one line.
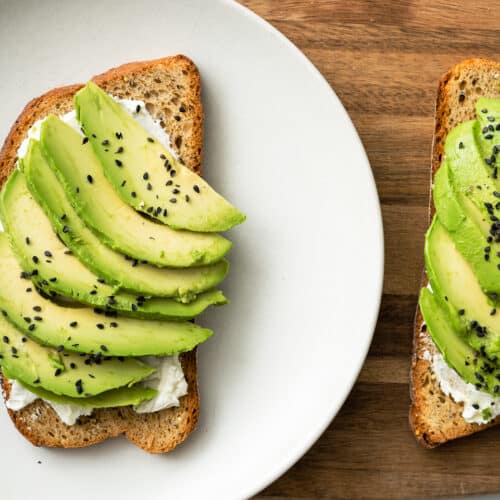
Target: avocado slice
[[80, 328], [62, 372], [117, 269], [466, 235], [156, 183], [118, 225], [471, 365], [59, 271], [123, 396], [488, 132], [455, 285]]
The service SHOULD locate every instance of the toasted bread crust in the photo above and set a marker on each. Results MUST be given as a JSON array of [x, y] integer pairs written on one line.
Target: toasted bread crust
[[434, 417], [170, 87]]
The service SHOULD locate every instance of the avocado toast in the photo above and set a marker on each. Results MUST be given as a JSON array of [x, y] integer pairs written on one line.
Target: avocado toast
[[455, 382], [64, 253]]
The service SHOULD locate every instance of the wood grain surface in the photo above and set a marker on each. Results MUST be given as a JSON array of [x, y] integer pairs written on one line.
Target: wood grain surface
[[384, 59]]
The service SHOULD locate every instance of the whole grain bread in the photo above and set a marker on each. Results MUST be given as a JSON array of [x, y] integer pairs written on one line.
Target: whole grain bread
[[170, 88], [434, 417]]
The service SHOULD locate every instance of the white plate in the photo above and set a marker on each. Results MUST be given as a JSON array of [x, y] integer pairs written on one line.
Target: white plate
[[307, 265]]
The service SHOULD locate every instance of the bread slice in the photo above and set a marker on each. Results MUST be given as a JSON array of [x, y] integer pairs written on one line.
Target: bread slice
[[434, 417], [170, 87]]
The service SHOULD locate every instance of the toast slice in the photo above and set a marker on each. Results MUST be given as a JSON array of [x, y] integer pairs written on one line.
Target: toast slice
[[434, 417], [170, 87]]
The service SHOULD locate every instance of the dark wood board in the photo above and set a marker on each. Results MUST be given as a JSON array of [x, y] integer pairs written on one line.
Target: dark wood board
[[384, 60]]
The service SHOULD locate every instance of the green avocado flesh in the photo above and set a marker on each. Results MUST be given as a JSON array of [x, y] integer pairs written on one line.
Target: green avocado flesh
[[144, 173], [64, 373], [59, 271], [466, 235], [116, 269], [454, 283], [83, 329], [470, 364], [124, 396], [119, 226]]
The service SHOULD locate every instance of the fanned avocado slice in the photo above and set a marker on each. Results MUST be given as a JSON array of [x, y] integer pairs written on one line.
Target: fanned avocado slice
[[37, 247], [82, 329], [62, 372], [467, 236], [144, 173], [471, 365], [118, 225], [117, 269], [124, 396], [455, 285]]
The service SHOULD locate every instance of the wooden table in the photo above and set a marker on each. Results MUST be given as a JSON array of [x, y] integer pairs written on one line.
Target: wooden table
[[384, 60]]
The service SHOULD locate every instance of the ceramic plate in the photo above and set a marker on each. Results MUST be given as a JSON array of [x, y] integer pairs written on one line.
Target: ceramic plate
[[306, 268]]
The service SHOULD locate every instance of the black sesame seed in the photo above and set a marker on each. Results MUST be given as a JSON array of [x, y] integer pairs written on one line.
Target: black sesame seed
[[105, 142], [488, 136], [172, 173], [53, 279], [57, 372], [27, 240], [79, 386], [31, 327], [6, 339], [118, 162], [28, 320], [175, 191], [484, 110], [150, 139], [35, 259], [37, 318], [85, 140], [89, 178], [134, 308], [177, 118], [158, 211], [133, 194], [119, 150], [93, 292], [60, 348], [100, 326], [145, 176], [24, 340], [490, 118], [163, 157], [196, 188], [149, 187], [29, 289], [104, 348], [47, 253], [461, 312], [475, 406], [13, 350], [164, 212], [77, 190], [72, 365], [138, 108], [182, 109], [113, 324], [73, 324], [493, 312], [169, 183], [149, 210], [187, 198], [173, 200], [65, 229], [119, 135], [479, 377]]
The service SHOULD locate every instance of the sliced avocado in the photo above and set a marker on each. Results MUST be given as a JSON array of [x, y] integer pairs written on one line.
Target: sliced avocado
[[466, 235], [470, 364], [454, 283], [63, 372], [124, 396], [59, 271], [80, 328], [119, 226], [37, 247], [144, 173], [117, 269], [488, 132]]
